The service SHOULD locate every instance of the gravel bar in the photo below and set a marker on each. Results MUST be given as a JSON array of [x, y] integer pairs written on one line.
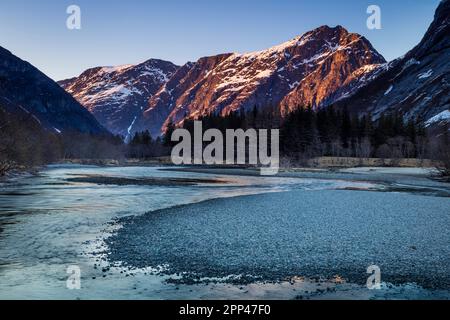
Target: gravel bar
[[314, 234]]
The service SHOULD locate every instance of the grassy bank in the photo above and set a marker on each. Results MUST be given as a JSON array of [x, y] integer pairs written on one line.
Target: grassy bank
[[347, 162], [320, 162], [121, 162]]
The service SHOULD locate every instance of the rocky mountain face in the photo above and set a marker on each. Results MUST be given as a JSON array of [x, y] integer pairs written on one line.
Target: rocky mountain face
[[417, 84], [326, 66], [117, 96], [26, 90], [315, 69]]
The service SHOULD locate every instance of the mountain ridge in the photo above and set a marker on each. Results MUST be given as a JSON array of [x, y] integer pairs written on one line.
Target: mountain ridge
[[323, 67], [25, 89], [230, 82], [417, 84], [117, 95]]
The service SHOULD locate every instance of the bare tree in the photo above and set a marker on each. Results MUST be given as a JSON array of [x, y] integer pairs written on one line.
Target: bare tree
[[443, 157], [384, 151], [364, 149]]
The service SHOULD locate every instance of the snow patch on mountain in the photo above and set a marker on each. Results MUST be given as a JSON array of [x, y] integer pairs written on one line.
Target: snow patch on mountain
[[130, 128], [441, 117], [427, 74], [116, 68], [389, 90]]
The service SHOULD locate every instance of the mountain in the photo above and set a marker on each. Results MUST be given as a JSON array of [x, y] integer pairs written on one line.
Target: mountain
[[417, 84], [117, 96], [315, 69], [26, 90]]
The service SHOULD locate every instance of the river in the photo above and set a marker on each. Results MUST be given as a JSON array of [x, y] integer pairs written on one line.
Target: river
[[51, 221]]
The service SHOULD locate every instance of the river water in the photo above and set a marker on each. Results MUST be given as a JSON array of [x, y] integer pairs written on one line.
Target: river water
[[48, 224]]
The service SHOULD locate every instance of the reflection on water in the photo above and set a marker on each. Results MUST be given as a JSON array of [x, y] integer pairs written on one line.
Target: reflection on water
[[45, 223]]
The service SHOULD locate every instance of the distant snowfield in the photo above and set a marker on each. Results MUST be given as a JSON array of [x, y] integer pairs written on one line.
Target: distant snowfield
[[49, 224]]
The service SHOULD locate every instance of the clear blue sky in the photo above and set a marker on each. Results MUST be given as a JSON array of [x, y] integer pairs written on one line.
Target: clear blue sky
[[130, 31]]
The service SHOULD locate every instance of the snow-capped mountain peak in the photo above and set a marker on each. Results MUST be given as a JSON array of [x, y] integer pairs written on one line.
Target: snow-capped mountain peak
[[314, 69], [417, 84], [117, 95]]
